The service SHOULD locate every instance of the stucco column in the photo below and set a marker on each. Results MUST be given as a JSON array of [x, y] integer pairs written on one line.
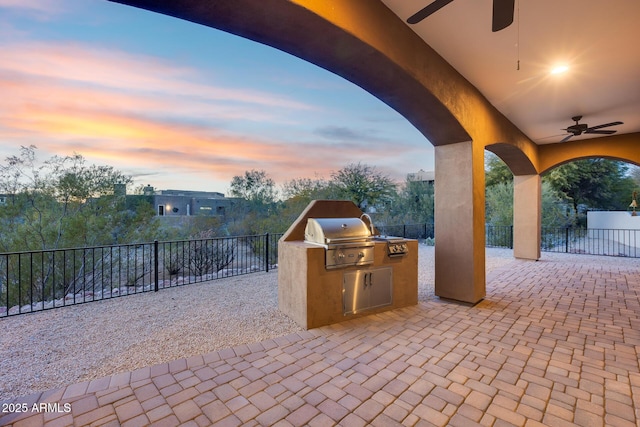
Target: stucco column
[[527, 217], [459, 222]]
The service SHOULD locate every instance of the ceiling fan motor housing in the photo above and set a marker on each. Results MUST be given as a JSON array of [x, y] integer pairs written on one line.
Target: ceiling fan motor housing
[[577, 129]]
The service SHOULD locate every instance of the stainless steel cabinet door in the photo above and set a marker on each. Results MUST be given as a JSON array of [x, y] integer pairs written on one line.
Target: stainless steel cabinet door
[[366, 289], [380, 287]]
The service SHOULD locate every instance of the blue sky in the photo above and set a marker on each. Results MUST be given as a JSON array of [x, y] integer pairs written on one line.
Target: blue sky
[[182, 106]]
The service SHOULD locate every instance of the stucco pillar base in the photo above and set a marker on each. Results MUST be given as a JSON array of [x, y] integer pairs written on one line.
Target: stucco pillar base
[[527, 222], [459, 222]]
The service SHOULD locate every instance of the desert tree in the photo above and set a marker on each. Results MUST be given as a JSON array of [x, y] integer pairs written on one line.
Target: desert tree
[[362, 184]]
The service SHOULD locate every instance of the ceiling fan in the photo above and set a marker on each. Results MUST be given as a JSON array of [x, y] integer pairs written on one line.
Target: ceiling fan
[[580, 128], [502, 13]]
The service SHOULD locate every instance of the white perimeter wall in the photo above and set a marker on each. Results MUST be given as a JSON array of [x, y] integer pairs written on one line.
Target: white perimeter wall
[[620, 227]]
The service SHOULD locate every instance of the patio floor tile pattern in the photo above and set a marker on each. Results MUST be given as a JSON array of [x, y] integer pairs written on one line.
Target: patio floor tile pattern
[[553, 343]]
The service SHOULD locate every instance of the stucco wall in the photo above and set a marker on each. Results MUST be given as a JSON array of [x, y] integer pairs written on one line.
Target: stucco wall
[[620, 227]]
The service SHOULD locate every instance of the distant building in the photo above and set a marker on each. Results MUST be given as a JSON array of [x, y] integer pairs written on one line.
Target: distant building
[[188, 203], [422, 176]]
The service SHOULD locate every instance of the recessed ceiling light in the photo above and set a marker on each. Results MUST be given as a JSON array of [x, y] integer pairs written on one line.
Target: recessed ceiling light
[[559, 69]]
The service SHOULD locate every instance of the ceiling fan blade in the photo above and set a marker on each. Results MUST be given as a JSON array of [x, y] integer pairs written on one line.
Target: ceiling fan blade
[[423, 13], [550, 136], [502, 14], [566, 138], [606, 125], [601, 132]]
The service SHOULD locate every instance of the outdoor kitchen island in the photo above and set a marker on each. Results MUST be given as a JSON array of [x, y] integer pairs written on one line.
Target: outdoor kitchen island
[[353, 273]]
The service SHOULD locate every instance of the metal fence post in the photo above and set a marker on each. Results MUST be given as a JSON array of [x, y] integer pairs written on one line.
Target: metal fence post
[[156, 265], [511, 237], [566, 239], [266, 252]]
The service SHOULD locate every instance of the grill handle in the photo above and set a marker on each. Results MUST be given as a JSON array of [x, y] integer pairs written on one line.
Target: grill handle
[[336, 240]]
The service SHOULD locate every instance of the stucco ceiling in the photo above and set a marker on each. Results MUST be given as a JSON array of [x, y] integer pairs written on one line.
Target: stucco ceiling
[[597, 40]]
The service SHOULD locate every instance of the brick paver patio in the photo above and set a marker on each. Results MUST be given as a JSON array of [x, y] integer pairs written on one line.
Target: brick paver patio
[[554, 343]]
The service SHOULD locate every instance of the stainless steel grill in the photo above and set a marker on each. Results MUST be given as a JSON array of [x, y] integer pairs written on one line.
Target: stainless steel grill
[[335, 266], [348, 241]]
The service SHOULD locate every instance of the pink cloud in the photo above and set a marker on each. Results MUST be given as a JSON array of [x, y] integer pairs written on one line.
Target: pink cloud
[[41, 10], [121, 139], [37, 5], [118, 70], [126, 141], [137, 112]]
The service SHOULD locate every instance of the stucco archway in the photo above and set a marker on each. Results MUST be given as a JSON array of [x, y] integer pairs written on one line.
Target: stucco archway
[[527, 200], [364, 42], [624, 147], [516, 160], [620, 147]]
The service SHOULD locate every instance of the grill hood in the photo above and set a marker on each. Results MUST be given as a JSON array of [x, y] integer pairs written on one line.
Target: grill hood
[[327, 231]]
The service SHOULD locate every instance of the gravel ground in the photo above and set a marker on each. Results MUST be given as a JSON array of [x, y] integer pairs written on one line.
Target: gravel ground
[[54, 348]]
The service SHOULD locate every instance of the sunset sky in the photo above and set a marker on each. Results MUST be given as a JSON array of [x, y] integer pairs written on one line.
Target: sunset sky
[[182, 106]]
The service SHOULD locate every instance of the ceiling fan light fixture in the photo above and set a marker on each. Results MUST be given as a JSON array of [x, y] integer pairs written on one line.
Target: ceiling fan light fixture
[[559, 69]]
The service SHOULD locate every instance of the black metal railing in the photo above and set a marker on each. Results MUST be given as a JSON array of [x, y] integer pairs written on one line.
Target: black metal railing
[[41, 280], [410, 231], [575, 240], [498, 236], [592, 241], [495, 236]]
